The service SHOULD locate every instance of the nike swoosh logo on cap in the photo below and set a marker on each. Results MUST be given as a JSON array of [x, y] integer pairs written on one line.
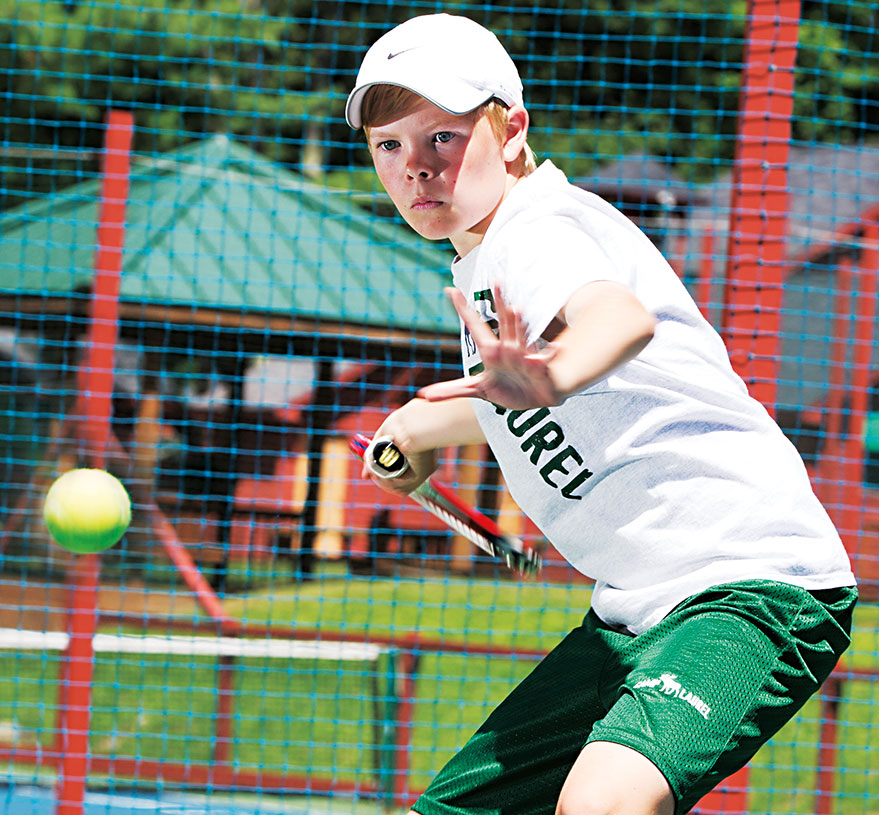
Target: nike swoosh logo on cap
[[397, 53]]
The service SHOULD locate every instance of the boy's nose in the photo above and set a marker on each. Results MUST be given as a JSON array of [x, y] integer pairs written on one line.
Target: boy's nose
[[417, 166]]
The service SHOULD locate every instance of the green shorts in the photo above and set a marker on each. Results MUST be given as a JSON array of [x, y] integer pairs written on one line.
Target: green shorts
[[697, 694]]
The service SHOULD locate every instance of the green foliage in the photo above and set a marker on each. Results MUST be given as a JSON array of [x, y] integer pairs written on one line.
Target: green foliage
[[186, 70], [837, 72], [659, 77]]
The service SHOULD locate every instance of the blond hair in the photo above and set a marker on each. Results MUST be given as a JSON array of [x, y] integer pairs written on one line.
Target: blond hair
[[384, 103]]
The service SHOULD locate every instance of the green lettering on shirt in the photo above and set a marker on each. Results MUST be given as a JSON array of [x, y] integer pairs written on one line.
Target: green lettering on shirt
[[546, 437]]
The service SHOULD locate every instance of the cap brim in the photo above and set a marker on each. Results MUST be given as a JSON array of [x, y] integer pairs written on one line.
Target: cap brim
[[455, 98]]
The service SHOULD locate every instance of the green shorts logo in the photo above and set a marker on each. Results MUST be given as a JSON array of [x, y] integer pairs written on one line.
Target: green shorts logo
[[668, 684]]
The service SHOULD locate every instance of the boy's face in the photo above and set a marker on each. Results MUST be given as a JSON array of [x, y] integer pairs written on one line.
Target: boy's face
[[445, 174]]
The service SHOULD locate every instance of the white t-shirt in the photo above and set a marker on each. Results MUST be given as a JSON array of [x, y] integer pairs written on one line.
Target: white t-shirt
[[665, 477]]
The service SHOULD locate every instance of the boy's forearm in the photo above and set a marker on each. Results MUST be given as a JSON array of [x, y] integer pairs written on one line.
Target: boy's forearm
[[419, 425], [607, 327]]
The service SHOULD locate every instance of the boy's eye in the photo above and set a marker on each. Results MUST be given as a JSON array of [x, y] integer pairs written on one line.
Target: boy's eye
[[388, 145], [444, 137]]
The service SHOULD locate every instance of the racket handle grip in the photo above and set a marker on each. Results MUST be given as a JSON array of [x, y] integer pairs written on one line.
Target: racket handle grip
[[384, 459]]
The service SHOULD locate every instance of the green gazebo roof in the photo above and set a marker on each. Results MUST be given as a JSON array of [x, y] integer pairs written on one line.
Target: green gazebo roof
[[216, 226]]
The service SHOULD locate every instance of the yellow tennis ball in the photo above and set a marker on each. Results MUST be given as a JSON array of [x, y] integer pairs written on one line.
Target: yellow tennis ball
[[87, 511]]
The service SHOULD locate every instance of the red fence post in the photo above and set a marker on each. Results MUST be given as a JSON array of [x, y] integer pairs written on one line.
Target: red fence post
[[756, 266], [852, 522], [96, 402], [706, 274], [830, 696], [405, 692], [223, 735], [758, 217]]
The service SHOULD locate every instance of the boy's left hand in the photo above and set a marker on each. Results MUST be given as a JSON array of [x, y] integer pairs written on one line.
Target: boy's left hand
[[515, 375]]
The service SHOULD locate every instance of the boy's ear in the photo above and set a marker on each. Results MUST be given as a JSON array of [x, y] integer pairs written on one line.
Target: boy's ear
[[517, 132]]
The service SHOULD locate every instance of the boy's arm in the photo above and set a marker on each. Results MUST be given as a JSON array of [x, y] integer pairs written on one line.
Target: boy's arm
[[419, 430], [605, 326]]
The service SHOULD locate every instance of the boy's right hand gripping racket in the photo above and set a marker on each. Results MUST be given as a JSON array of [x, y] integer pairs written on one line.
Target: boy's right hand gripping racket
[[385, 460]]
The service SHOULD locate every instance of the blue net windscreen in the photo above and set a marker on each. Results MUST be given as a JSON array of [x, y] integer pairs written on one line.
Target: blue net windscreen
[[205, 290]]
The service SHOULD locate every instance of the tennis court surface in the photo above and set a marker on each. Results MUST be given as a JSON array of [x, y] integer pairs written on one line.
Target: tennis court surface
[[28, 799]]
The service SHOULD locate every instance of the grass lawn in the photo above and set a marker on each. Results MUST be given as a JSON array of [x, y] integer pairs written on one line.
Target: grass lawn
[[322, 717]]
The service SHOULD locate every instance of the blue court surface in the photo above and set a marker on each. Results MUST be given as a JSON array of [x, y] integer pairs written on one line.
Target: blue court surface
[[24, 799]]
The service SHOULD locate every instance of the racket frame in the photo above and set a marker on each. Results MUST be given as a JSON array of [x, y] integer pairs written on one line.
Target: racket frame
[[442, 502]]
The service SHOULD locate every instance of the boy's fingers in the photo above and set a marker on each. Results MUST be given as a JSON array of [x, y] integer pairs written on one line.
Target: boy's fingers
[[480, 332], [509, 319], [500, 309], [452, 389]]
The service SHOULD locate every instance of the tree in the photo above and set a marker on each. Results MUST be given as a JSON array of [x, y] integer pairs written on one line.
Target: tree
[[658, 76]]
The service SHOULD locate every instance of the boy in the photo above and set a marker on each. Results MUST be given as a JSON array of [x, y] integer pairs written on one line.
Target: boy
[[723, 595]]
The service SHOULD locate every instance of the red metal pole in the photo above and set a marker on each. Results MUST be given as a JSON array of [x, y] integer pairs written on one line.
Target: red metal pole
[[96, 391], [758, 217], [730, 798], [852, 448], [96, 375], [831, 693], [751, 321], [831, 488], [223, 735], [167, 536], [865, 283], [408, 665], [706, 274], [184, 563]]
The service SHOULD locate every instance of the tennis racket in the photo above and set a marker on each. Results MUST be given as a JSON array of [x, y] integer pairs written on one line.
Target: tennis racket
[[386, 461]]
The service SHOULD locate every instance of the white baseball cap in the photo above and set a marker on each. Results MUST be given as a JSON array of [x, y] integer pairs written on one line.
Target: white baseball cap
[[451, 61]]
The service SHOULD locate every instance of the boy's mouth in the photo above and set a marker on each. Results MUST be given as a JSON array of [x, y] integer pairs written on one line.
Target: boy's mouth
[[424, 203]]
